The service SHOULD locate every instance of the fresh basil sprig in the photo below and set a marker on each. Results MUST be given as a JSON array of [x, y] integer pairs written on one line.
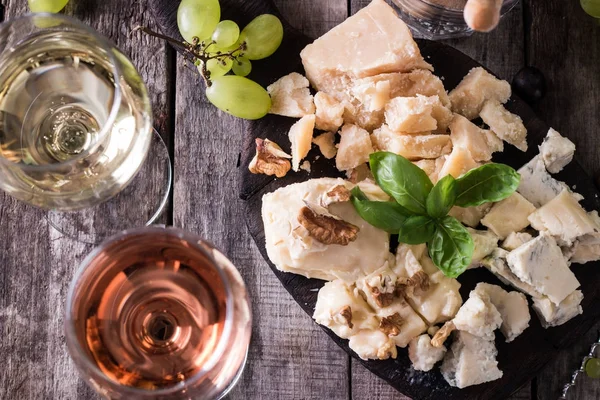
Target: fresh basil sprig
[[419, 210]]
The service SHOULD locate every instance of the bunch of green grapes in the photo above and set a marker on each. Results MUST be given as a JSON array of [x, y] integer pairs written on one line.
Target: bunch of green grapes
[[47, 6], [223, 54]]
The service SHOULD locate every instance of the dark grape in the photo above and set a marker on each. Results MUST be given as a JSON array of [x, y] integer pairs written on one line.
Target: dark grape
[[530, 84]]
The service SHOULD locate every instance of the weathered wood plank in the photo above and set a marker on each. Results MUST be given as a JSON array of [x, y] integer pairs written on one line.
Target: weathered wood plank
[[37, 261], [502, 52], [290, 357], [564, 44]]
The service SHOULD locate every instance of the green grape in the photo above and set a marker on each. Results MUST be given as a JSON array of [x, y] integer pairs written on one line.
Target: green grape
[[592, 368], [239, 97], [47, 6], [218, 67], [242, 66], [263, 36], [592, 7], [198, 18], [226, 34]]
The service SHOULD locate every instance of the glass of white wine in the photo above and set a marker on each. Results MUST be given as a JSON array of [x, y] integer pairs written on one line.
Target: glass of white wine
[[75, 123], [157, 313]]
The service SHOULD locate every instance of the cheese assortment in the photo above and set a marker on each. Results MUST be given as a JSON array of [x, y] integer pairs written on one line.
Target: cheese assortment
[[374, 92]]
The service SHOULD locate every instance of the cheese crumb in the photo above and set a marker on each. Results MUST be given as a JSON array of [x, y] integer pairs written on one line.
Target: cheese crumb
[[325, 141], [354, 148], [506, 125], [301, 137], [329, 112], [291, 97]]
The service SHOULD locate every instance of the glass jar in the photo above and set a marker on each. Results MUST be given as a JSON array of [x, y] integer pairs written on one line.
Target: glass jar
[[438, 19]]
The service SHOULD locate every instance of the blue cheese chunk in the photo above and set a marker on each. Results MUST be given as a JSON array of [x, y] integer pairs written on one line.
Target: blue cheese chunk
[[423, 355], [471, 360], [496, 264], [585, 249], [478, 316], [557, 151], [551, 314], [564, 218], [512, 307], [509, 215], [536, 184], [541, 264]]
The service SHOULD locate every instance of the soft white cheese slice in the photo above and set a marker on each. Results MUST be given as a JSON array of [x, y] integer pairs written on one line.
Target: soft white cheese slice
[[512, 307], [536, 184], [564, 218], [551, 314], [372, 41], [557, 151], [471, 360], [423, 355], [509, 215], [373, 345], [291, 248], [540, 263]]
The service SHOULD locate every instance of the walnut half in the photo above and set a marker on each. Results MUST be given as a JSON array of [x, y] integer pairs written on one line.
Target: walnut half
[[346, 313], [326, 229], [391, 324], [270, 159], [440, 336]]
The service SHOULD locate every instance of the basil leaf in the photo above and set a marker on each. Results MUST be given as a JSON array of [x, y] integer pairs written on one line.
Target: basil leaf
[[416, 230], [442, 197], [386, 215], [402, 180], [488, 183], [451, 248]]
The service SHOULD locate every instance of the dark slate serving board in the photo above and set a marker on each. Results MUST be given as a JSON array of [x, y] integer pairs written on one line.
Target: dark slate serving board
[[520, 360]]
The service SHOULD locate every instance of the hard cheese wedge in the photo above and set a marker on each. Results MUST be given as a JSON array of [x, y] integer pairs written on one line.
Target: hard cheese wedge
[[371, 42]]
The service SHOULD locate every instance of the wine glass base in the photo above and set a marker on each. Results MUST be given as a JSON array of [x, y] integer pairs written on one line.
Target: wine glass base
[[141, 203]]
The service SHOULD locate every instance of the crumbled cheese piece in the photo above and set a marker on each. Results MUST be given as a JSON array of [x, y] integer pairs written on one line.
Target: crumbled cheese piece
[[373, 344], [536, 184], [481, 143], [291, 97], [515, 206], [564, 218], [478, 316], [423, 355], [471, 360], [372, 41], [301, 137], [557, 151], [329, 112], [291, 248], [506, 125], [458, 163], [540, 263], [516, 239], [485, 242], [354, 148], [411, 146], [512, 307], [551, 314], [305, 166], [496, 264], [342, 310], [470, 216], [431, 167], [373, 96], [326, 144], [475, 89], [410, 114]]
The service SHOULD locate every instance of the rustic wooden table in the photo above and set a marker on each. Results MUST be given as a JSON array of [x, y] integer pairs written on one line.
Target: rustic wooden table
[[290, 357]]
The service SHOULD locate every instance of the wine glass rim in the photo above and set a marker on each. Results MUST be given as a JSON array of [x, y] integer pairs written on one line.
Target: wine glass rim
[[74, 345], [105, 44]]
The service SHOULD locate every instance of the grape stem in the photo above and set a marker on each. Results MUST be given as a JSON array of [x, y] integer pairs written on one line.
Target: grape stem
[[197, 51]]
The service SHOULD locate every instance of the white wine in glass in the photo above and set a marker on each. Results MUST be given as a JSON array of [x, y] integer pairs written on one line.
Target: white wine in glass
[[75, 118], [156, 313]]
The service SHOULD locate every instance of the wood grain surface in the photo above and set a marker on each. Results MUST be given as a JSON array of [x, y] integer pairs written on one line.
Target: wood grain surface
[[290, 358]]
